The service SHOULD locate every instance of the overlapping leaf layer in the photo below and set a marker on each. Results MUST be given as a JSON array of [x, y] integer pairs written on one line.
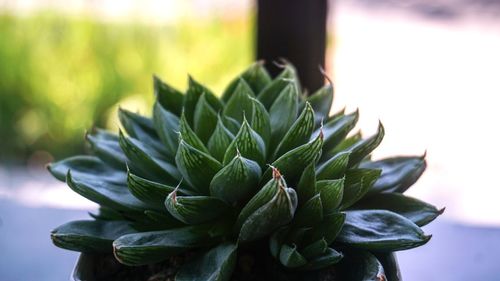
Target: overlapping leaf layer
[[262, 164]]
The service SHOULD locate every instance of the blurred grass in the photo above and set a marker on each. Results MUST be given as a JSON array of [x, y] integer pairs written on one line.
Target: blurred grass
[[61, 75]]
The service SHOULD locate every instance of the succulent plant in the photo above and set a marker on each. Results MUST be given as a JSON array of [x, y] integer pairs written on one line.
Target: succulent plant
[[263, 173]]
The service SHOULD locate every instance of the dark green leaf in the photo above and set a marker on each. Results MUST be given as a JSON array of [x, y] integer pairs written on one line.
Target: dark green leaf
[[150, 247], [290, 257], [89, 236], [299, 133], [331, 192], [283, 113], [194, 92], [86, 167], [214, 265], [337, 129], [167, 127], [310, 214], [328, 229], [140, 128], [148, 162], [361, 266], [205, 119], [364, 147], [380, 230], [194, 209], [105, 146], [335, 167], [270, 93], [170, 98], [306, 188], [315, 249], [261, 122], [321, 101], [417, 211], [149, 192], [237, 180], [249, 144], [162, 220], [240, 102], [196, 167], [220, 140], [189, 136], [398, 173], [276, 240], [256, 77], [358, 182], [329, 258]]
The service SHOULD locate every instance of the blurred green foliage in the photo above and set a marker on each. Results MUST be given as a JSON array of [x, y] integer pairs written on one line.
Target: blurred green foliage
[[61, 75]]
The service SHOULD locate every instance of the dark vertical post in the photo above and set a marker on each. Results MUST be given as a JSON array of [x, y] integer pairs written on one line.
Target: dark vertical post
[[294, 30]]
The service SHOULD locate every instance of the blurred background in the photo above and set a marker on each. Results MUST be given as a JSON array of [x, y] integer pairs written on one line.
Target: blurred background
[[429, 70]]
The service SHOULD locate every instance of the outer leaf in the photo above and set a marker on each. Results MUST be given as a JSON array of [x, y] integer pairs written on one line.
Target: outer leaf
[[261, 122], [292, 163], [306, 187], [196, 167], [398, 173], [237, 180], [140, 128], [329, 258], [205, 119], [248, 143], [89, 236], [331, 192], [194, 209], [167, 126], [189, 136], [290, 257], [220, 140], [150, 247], [283, 113], [337, 129], [162, 220], [310, 214], [86, 167], [335, 167], [114, 196], [256, 77], [361, 266], [299, 133], [105, 146], [148, 162], [194, 92], [380, 230], [328, 229], [215, 265], [358, 182], [321, 101], [270, 93], [315, 249], [364, 147], [149, 192], [417, 211], [240, 102], [170, 98]]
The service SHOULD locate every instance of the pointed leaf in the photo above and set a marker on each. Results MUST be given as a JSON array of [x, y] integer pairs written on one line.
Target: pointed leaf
[[86, 167], [270, 93], [299, 133], [276, 240], [315, 249], [380, 230], [261, 122], [290, 257], [140, 128], [167, 126], [415, 210], [358, 182], [205, 119], [362, 266], [310, 214], [329, 258], [149, 192], [331, 192], [162, 220], [240, 102], [89, 236], [148, 162], [219, 141], [321, 101], [237, 180], [196, 167], [364, 147], [337, 129], [194, 92], [150, 247], [194, 209], [335, 167], [283, 113], [398, 173], [306, 188], [169, 98], [215, 265], [105, 146], [248, 143], [189, 136], [256, 77], [328, 229]]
